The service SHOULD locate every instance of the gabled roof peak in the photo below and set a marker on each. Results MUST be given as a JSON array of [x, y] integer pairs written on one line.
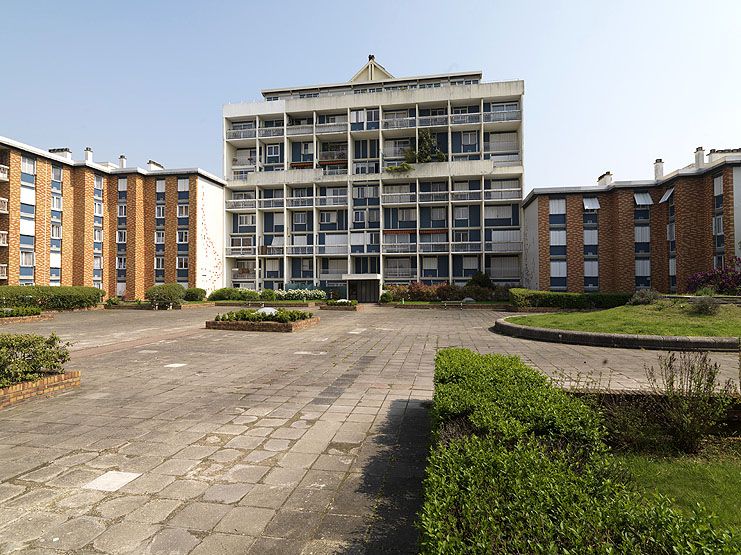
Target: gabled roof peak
[[371, 71]]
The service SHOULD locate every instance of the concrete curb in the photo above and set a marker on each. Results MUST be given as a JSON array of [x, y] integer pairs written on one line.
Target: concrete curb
[[619, 340]]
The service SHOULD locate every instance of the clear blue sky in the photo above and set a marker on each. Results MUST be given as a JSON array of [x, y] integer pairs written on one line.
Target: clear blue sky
[[607, 85]]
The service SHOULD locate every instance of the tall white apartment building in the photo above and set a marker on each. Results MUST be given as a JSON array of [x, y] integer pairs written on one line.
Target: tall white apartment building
[[323, 188]]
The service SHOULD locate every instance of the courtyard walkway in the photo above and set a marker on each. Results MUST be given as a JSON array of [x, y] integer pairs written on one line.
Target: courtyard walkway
[[186, 440]]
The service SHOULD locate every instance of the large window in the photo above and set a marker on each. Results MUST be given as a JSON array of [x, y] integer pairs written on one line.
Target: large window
[[299, 218], [120, 263], [183, 210], [182, 236], [28, 259], [182, 262], [183, 184], [121, 210], [159, 186], [121, 236], [557, 211], [558, 274], [159, 237], [159, 211], [28, 165], [558, 242], [122, 184]]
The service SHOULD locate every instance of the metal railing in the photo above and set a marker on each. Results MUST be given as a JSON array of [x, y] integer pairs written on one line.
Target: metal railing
[[337, 127], [509, 115], [239, 274], [334, 171], [300, 249], [468, 246], [271, 131], [241, 133], [4, 170], [332, 200], [399, 247], [272, 250], [399, 198], [240, 204], [434, 247], [441, 196], [329, 155], [299, 201], [244, 161], [429, 121], [399, 272], [333, 275], [242, 175], [271, 202], [396, 151], [241, 251], [299, 129], [458, 119], [399, 123], [506, 159], [494, 246], [331, 249], [3, 205], [465, 195], [502, 194], [3, 238]]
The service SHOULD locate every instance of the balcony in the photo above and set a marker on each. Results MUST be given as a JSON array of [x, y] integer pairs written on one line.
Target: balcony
[[502, 194], [3, 238], [363, 168], [332, 201], [468, 246], [331, 275], [504, 241], [333, 155], [300, 249], [433, 247], [271, 202], [510, 115], [271, 131], [506, 159], [272, 250], [241, 251], [334, 171], [396, 151], [331, 249], [501, 146], [512, 247], [3, 271], [4, 173], [399, 273], [441, 196], [241, 204], [338, 127], [241, 161], [242, 274], [399, 247], [465, 195], [399, 123], [433, 121], [460, 119], [241, 133], [299, 130], [298, 202], [399, 198], [3, 205], [242, 175]]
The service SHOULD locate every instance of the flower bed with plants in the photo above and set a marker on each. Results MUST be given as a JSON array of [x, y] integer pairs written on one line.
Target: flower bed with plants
[[342, 305], [50, 298], [21, 314], [480, 288], [279, 295], [520, 466], [263, 320]]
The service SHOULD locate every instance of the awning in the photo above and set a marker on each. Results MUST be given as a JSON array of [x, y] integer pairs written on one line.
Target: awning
[[667, 195], [590, 203], [643, 199]]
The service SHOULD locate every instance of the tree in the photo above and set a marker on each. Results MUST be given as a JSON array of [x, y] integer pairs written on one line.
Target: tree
[[427, 150]]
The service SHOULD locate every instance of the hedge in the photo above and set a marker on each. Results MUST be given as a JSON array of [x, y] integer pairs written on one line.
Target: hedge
[[529, 298], [20, 311], [194, 294], [50, 298], [165, 295], [341, 302], [519, 466], [25, 357], [239, 294], [251, 315], [234, 294]]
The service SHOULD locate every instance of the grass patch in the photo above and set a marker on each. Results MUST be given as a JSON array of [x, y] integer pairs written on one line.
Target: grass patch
[[661, 318]]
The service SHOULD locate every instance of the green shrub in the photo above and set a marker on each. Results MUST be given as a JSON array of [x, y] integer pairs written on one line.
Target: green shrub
[[386, 297], [252, 315], [705, 306], [50, 298], [341, 302], [194, 294], [165, 295], [234, 294], [644, 296], [529, 298], [20, 311], [477, 293], [25, 357], [480, 279], [300, 295], [113, 301], [706, 291], [267, 295]]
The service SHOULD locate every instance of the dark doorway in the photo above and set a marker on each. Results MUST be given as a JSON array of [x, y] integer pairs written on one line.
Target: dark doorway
[[363, 290]]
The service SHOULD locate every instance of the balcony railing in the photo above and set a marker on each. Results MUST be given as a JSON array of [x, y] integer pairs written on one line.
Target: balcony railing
[[399, 198], [271, 131], [457, 119], [468, 246], [465, 195], [433, 247], [300, 249], [299, 130], [502, 194], [510, 115], [272, 250], [399, 247], [330, 155], [242, 274], [331, 274], [334, 171], [3, 205], [430, 121], [242, 175], [338, 127], [506, 159], [396, 151], [514, 246], [3, 271], [4, 173], [3, 238], [244, 161], [399, 123], [331, 249], [362, 168], [271, 202], [332, 201], [501, 146], [241, 251], [241, 133], [441, 196], [294, 202], [240, 204], [399, 273]]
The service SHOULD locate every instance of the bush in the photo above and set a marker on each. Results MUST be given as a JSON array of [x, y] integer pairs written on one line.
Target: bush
[[520, 466], [252, 315], [706, 291], [234, 294], [50, 298], [643, 297], [477, 293], [480, 279], [342, 302], [25, 357], [726, 280], [705, 306], [386, 297], [529, 298], [300, 295], [165, 295], [20, 311], [194, 294], [113, 301], [267, 295]]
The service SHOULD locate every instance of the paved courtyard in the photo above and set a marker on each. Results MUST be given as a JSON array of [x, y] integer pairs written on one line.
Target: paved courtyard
[[186, 440]]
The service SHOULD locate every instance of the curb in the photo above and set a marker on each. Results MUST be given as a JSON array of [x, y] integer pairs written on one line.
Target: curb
[[618, 340]]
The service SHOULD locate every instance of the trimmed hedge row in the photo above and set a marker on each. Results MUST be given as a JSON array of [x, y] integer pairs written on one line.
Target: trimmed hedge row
[[50, 298], [251, 315], [26, 357], [341, 302], [165, 295], [20, 311], [529, 298], [241, 294], [519, 466]]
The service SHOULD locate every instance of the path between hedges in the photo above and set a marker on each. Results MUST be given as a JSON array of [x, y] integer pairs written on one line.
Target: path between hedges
[[312, 442]]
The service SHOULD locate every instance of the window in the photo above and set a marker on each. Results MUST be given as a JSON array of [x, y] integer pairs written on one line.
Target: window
[[407, 215], [182, 262], [183, 210], [437, 214], [460, 236], [272, 265], [718, 185], [429, 264], [591, 237], [273, 151], [357, 116], [182, 237], [558, 274], [278, 219], [183, 184], [591, 268], [307, 149], [97, 263], [159, 237], [28, 165], [470, 263], [460, 213], [374, 215], [56, 231], [120, 263], [643, 267], [469, 138], [246, 220], [642, 234], [28, 259], [306, 265], [557, 206], [328, 217], [558, 242], [121, 210], [718, 262], [98, 208], [643, 199], [299, 218], [359, 216], [159, 186], [159, 211], [121, 236], [718, 225], [56, 202], [56, 173], [122, 184], [590, 203], [97, 234], [159, 262]]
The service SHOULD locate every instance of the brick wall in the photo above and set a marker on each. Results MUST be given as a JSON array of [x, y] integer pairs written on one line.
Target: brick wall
[[728, 216], [68, 227], [110, 218], [12, 191], [150, 202], [544, 244], [83, 183], [659, 244], [693, 205], [135, 221], [171, 228], [193, 230], [42, 221], [575, 243]]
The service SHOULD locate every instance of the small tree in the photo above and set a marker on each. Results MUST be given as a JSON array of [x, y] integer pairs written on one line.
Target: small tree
[[427, 150], [480, 279]]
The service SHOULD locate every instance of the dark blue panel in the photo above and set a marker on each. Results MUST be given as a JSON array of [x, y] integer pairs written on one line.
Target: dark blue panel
[[27, 241], [457, 142], [55, 244], [183, 222], [28, 178], [56, 215], [182, 274], [121, 222], [122, 195], [26, 272], [182, 247], [98, 220], [28, 209]]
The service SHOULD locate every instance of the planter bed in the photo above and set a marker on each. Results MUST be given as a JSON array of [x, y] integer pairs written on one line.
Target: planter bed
[[187, 305], [24, 319], [273, 304], [263, 326], [453, 305], [342, 308], [620, 340], [142, 306], [44, 386]]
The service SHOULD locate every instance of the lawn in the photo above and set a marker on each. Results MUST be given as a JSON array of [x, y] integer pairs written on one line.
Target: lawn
[[712, 479], [661, 318]]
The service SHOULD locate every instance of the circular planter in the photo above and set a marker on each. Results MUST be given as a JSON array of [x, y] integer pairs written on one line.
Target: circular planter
[[619, 340]]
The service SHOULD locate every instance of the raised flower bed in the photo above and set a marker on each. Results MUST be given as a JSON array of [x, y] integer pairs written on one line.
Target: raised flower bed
[[22, 314], [265, 319], [342, 305]]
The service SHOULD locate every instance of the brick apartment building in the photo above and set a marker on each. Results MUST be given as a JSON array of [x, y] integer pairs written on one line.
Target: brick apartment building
[[121, 229], [620, 236]]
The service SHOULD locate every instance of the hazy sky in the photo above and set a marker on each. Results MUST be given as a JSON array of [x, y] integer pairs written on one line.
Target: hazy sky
[[607, 85]]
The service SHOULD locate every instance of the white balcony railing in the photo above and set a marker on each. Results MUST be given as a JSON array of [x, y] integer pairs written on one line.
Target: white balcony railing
[[300, 249], [241, 251], [399, 123], [272, 250], [241, 133], [399, 273], [240, 204], [331, 249], [457, 119], [465, 195], [399, 247], [244, 161], [396, 151], [242, 175], [241, 274], [430, 121], [468, 246], [332, 201], [3, 271], [509, 115], [297, 202], [271, 132], [330, 155], [3, 238], [327, 170], [271, 202], [433, 247], [299, 130], [502, 194], [328, 275], [4, 173], [434, 197], [506, 159], [338, 127], [398, 198]]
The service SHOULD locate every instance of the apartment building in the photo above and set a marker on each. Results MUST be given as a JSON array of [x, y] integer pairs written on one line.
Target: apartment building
[[319, 191], [620, 236], [105, 225]]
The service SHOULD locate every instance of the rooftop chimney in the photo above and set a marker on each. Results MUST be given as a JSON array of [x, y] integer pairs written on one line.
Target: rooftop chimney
[[63, 152], [371, 57], [658, 169], [122, 161], [605, 178], [88, 154], [699, 157], [154, 166]]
